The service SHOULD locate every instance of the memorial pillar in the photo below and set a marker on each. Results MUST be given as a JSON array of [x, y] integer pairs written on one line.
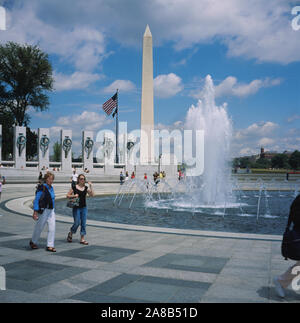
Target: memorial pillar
[[87, 150], [66, 150], [43, 148], [19, 149]]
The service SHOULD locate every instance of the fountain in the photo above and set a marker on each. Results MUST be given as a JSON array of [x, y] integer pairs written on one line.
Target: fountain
[[215, 181], [215, 200]]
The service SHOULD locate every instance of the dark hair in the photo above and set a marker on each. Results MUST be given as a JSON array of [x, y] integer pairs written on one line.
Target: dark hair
[[78, 178]]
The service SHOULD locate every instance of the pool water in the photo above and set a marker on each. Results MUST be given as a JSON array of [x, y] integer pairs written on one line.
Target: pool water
[[169, 212]]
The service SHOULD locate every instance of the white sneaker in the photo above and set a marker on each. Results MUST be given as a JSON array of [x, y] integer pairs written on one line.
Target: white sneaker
[[279, 289]]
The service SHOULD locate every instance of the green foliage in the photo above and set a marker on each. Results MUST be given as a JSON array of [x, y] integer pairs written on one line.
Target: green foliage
[[294, 160], [31, 145], [243, 162], [262, 163], [280, 161], [25, 77], [56, 152]]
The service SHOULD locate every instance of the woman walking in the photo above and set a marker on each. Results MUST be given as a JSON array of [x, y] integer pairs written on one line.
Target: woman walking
[[283, 281], [44, 204], [80, 190]]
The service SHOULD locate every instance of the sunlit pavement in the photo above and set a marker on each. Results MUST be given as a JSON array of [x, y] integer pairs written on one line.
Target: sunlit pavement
[[125, 264]]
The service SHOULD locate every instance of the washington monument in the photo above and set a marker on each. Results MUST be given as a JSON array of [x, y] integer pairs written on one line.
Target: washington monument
[[147, 115]]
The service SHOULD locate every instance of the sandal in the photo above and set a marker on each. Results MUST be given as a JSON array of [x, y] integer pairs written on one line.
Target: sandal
[[84, 242], [69, 238], [50, 249], [33, 245]]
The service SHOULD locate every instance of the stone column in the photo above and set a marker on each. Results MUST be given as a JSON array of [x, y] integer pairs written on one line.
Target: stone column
[[43, 148], [109, 152], [20, 147], [123, 142], [87, 150], [147, 113], [66, 150]]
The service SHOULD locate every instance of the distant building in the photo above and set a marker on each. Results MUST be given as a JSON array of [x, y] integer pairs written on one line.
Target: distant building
[[267, 154]]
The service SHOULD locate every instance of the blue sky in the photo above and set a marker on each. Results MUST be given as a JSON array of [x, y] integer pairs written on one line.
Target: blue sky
[[248, 47]]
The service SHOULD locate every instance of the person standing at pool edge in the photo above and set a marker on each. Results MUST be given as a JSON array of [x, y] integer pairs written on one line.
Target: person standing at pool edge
[[282, 281], [45, 192], [80, 213]]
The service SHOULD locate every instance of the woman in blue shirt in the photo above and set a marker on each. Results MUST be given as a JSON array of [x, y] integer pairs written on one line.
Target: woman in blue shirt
[[44, 202]]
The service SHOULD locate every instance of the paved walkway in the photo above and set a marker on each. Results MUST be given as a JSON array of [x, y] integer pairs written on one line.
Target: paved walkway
[[133, 264]]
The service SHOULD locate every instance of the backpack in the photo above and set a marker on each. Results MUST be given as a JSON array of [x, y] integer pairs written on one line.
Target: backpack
[[290, 246], [45, 200]]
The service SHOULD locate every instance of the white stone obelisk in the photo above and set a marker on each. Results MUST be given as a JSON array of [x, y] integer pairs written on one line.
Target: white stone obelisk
[[147, 115]]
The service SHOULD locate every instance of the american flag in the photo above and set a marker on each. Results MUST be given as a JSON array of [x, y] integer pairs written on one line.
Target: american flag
[[110, 104]]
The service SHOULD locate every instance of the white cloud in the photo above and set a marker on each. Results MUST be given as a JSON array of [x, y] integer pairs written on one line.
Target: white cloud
[[177, 125], [267, 134], [82, 46], [254, 29], [87, 120], [257, 130], [266, 142], [231, 87], [122, 85], [166, 86], [247, 151], [293, 118], [75, 81]]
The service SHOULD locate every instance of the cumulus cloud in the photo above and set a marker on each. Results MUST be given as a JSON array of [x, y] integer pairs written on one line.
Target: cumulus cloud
[[75, 81], [86, 120], [266, 134], [83, 46], [231, 87], [121, 85], [166, 86], [293, 118], [254, 29], [266, 142], [257, 130]]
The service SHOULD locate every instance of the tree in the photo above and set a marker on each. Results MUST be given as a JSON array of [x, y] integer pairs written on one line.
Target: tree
[[280, 161], [263, 163], [57, 152], [25, 77], [7, 121], [31, 143], [294, 160]]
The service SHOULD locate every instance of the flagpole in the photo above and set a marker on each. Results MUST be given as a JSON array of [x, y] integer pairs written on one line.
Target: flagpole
[[117, 129]]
